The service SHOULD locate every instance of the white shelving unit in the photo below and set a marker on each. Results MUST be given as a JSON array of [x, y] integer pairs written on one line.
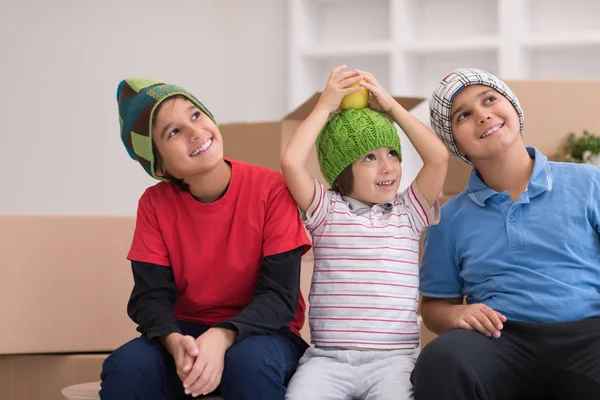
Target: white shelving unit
[[410, 45]]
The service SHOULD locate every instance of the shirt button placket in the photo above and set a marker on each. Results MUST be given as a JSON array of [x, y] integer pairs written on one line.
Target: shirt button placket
[[513, 229]]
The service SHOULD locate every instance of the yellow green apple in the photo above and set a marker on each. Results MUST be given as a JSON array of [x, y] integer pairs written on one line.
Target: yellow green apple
[[356, 100]]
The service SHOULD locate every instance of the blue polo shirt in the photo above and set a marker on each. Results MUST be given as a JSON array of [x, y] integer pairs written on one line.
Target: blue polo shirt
[[534, 260]]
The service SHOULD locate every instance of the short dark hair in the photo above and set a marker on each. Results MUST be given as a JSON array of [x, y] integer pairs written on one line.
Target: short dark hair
[[344, 182], [157, 160]]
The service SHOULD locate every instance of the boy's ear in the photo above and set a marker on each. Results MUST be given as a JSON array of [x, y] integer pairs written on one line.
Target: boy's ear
[[159, 170], [158, 167]]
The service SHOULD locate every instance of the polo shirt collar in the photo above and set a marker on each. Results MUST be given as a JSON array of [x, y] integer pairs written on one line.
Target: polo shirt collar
[[358, 207], [540, 181]]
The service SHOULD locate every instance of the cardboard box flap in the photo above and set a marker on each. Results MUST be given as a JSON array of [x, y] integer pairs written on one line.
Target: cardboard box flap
[[302, 111], [246, 142], [554, 108]]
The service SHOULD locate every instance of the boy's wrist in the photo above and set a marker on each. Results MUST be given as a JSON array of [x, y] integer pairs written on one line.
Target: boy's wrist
[[321, 111], [168, 340], [396, 108]]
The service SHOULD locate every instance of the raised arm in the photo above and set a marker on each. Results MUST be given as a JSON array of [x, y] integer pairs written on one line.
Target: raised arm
[[432, 151], [294, 158]]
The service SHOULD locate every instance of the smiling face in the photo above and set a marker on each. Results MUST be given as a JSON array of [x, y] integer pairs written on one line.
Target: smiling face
[[484, 123], [376, 176], [187, 140]]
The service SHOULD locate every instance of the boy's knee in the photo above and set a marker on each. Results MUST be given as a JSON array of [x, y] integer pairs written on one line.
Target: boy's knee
[[446, 351], [252, 357], [131, 364], [255, 361]]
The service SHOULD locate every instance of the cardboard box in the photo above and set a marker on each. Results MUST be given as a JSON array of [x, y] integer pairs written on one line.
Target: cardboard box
[[426, 336], [262, 143], [65, 283], [552, 110], [42, 377]]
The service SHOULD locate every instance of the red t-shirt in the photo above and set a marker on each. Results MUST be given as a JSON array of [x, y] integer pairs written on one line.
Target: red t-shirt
[[216, 249]]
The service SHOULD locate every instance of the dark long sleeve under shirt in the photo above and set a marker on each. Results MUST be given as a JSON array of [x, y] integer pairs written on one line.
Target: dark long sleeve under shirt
[[272, 307]]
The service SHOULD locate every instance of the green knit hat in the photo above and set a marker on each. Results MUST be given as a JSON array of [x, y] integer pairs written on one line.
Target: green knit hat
[[349, 135], [138, 98]]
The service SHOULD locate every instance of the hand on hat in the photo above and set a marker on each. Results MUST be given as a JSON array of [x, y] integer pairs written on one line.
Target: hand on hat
[[338, 85], [381, 100]]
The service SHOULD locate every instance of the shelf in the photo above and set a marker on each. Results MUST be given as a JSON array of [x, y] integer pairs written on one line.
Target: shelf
[[340, 2], [345, 49], [428, 69], [565, 63], [445, 20], [410, 44], [378, 65], [567, 39], [459, 44], [347, 21], [555, 17]]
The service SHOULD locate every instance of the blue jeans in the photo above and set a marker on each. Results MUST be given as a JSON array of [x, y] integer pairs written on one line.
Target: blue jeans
[[258, 367]]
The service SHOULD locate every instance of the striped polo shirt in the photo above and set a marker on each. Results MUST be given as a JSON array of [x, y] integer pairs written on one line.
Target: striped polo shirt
[[364, 291]]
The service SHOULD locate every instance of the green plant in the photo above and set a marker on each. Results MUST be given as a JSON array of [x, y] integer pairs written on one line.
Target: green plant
[[582, 148]]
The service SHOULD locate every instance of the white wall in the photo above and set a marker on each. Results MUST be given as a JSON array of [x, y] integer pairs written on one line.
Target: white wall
[[61, 61]]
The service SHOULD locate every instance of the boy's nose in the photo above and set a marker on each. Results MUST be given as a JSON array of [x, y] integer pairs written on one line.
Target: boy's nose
[[484, 118], [386, 166], [193, 134]]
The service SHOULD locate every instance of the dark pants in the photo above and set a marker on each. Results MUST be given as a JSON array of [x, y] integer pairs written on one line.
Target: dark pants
[[258, 367], [529, 361]]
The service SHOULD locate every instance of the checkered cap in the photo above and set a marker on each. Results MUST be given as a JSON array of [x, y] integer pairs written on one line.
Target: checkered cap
[[441, 102]]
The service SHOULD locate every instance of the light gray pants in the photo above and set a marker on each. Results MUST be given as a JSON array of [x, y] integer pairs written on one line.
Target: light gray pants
[[337, 374]]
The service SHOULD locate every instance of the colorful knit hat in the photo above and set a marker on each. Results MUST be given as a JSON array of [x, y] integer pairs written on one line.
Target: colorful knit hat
[[349, 135], [138, 99], [441, 102]]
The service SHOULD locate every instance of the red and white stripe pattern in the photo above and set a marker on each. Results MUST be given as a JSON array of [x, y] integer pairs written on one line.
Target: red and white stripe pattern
[[364, 291]]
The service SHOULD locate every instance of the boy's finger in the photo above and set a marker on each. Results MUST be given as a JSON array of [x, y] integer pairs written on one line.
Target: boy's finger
[[487, 323], [474, 322], [350, 80], [337, 70], [187, 363], [462, 324], [196, 371], [216, 381], [351, 90], [200, 386], [368, 76], [502, 317], [205, 383], [369, 86], [493, 317], [190, 346], [342, 77]]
